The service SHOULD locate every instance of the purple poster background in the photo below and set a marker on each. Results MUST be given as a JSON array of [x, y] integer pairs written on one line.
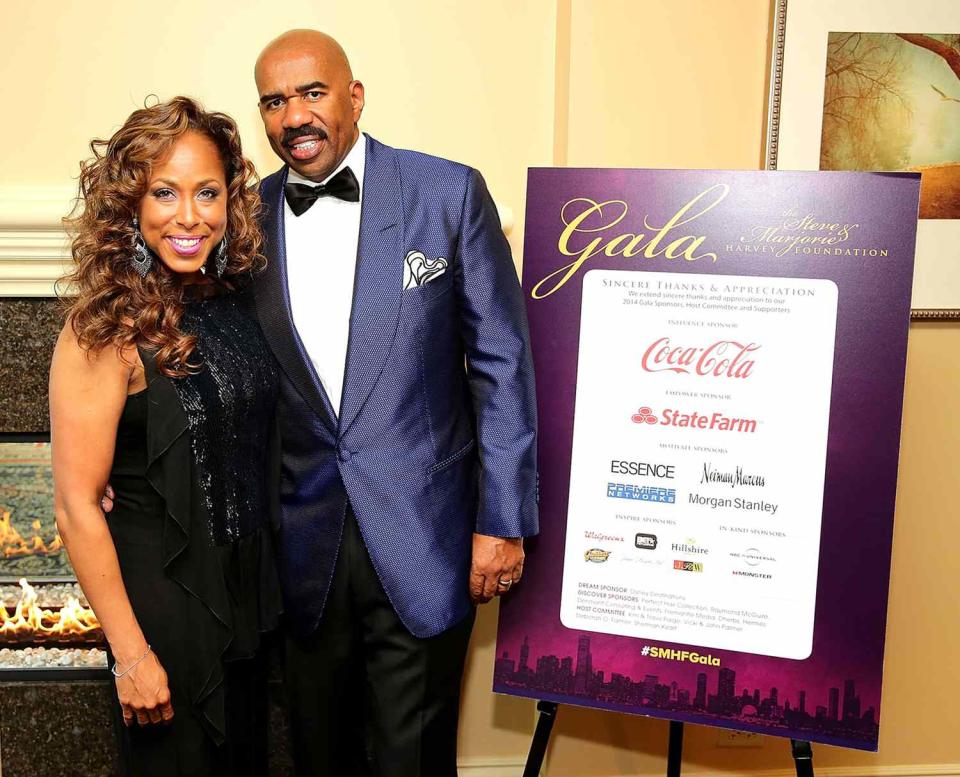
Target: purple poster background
[[833, 696]]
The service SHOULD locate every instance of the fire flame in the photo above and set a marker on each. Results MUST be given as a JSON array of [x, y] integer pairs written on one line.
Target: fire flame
[[29, 623], [13, 544]]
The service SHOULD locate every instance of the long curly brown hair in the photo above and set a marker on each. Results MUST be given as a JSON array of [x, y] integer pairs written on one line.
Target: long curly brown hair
[[106, 300]]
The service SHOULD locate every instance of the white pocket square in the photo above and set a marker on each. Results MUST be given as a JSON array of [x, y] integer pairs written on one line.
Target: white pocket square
[[418, 270]]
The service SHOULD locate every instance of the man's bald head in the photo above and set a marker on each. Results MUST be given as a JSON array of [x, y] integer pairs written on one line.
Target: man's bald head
[[309, 101], [294, 44]]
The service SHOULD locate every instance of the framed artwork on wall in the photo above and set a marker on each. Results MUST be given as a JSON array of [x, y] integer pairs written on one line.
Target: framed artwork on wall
[[861, 85]]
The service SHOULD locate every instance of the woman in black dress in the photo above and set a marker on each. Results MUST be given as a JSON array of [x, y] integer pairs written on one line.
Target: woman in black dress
[[162, 385]]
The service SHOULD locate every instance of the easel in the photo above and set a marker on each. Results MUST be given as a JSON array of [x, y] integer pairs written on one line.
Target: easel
[[802, 751]]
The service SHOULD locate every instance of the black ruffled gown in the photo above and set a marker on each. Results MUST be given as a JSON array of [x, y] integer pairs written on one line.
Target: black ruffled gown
[[195, 474]]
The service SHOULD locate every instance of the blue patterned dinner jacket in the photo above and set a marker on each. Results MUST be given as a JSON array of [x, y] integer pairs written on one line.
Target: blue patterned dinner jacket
[[425, 450]]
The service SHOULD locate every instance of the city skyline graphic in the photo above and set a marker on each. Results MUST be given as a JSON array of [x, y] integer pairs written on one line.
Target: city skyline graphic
[[837, 712]]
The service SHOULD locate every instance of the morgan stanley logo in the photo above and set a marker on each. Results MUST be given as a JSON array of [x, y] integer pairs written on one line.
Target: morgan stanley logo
[[705, 421]]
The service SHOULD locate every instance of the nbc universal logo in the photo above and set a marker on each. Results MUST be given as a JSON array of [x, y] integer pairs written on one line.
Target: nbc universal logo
[[715, 421]]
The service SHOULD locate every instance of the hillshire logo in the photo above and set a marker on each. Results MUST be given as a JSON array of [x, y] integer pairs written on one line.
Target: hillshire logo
[[646, 541], [687, 566], [690, 546], [596, 555], [713, 421], [722, 359], [641, 493]]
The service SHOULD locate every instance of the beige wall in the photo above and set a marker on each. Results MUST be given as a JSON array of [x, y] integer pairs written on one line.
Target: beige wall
[[503, 85], [469, 81]]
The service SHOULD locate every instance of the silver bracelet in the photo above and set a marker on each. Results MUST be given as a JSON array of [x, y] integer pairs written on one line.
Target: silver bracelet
[[118, 675]]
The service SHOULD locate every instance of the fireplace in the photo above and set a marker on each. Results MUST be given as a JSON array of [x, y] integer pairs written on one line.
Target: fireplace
[[45, 621]]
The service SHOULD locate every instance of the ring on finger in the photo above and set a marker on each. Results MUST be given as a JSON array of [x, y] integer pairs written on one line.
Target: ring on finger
[[505, 583]]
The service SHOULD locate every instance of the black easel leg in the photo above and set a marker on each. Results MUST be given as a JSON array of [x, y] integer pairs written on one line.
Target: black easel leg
[[675, 749], [803, 756], [541, 738]]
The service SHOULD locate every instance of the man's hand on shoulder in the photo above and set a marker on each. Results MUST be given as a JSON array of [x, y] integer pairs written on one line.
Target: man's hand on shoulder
[[496, 567], [106, 501]]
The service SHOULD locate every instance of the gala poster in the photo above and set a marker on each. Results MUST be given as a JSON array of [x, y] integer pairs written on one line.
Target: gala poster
[[720, 360]]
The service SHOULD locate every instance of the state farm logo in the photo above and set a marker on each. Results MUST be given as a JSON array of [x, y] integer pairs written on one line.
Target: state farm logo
[[718, 422], [722, 359], [644, 416]]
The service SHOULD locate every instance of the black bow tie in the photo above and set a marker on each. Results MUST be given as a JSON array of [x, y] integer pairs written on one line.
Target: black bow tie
[[343, 186]]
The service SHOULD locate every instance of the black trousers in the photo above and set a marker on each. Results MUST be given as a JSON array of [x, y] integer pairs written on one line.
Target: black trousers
[[367, 698]]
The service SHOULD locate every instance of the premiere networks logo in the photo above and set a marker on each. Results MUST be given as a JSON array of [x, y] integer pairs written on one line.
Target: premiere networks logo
[[686, 656], [703, 421], [666, 496]]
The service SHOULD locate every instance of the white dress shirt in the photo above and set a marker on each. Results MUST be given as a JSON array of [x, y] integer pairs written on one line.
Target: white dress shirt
[[321, 262]]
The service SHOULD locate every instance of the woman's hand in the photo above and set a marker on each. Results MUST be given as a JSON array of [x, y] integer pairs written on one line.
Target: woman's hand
[[144, 694]]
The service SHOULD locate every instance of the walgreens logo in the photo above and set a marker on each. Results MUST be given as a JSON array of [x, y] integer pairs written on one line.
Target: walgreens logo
[[706, 421], [722, 359]]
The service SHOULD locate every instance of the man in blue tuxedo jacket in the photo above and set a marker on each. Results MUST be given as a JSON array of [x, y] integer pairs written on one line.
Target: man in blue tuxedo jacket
[[407, 419]]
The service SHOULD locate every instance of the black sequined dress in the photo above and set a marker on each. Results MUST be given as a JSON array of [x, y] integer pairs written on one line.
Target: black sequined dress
[[195, 477]]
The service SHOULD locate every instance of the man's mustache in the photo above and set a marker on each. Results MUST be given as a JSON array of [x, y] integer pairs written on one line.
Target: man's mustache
[[290, 135]]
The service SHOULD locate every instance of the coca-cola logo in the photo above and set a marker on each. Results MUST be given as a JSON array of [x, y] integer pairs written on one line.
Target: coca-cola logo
[[722, 359]]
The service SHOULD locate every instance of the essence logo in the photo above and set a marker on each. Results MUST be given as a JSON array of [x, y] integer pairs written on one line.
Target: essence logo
[[722, 359], [717, 422], [642, 469]]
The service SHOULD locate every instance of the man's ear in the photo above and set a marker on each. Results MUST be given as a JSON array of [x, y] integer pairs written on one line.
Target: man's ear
[[357, 98]]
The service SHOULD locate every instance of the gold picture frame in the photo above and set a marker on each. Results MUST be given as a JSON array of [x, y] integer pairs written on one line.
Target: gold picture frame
[[795, 110]]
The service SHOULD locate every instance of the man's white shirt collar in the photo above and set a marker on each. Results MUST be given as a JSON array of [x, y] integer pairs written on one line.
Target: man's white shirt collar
[[321, 255], [355, 159]]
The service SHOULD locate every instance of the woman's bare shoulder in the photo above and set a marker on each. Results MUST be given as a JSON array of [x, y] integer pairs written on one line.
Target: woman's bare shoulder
[[79, 360]]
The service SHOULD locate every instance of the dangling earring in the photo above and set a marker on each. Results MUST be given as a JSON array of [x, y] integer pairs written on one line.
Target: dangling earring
[[220, 263], [141, 259]]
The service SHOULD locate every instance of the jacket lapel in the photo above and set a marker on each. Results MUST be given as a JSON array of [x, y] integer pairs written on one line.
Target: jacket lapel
[[272, 302], [378, 283]]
